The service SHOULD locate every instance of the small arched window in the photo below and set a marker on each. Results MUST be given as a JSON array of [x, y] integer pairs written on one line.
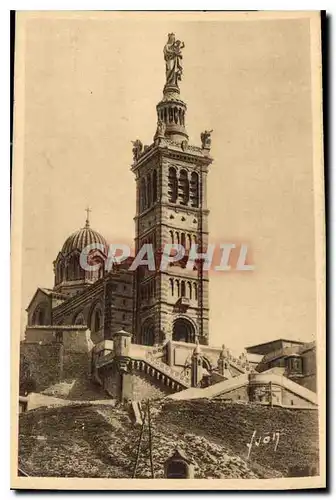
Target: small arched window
[[183, 289], [188, 241], [177, 283], [79, 319], [143, 195], [194, 190], [149, 190], [40, 316], [176, 115], [97, 320], [172, 185], [171, 233], [195, 291], [171, 286], [59, 272], [183, 187], [190, 290], [154, 186]]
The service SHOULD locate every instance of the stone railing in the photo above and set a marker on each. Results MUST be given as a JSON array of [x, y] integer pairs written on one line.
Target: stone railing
[[156, 352], [154, 367], [160, 371], [104, 360], [306, 347], [241, 364]]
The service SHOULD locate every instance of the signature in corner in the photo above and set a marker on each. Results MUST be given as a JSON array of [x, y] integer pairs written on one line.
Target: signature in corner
[[273, 437]]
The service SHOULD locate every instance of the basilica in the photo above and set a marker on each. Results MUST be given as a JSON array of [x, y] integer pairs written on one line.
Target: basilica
[[141, 334]]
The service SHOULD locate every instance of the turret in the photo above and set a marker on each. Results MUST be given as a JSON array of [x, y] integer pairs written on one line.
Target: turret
[[196, 366], [122, 343], [223, 364]]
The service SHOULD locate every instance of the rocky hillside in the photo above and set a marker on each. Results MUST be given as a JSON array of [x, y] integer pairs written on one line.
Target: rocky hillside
[[99, 440], [293, 452]]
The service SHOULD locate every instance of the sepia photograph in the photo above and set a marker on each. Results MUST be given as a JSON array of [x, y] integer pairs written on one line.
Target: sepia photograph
[[168, 251]]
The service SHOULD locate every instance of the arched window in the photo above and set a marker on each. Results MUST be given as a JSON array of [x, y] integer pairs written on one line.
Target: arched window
[[74, 269], [176, 115], [194, 190], [183, 240], [195, 291], [172, 185], [171, 117], [180, 116], [171, 237], [40, 316], [177, 283], [79, 319], [190, 290], [143, 195], [97, 320], [183, 289], [183, 187], [59, 272], [154, 186], [149, 190], [188, 241], [177, 237], [171, 286]]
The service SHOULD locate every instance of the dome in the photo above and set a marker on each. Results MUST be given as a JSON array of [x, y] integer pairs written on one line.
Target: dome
[[82, 238]]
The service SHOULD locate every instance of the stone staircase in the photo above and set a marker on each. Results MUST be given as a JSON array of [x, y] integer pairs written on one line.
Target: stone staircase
[[151, 364], [161, 372]]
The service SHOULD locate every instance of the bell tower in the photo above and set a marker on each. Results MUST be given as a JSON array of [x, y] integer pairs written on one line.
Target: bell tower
[[171, 207]]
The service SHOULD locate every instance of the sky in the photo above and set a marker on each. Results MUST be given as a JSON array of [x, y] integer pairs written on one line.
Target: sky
[[91, 87]]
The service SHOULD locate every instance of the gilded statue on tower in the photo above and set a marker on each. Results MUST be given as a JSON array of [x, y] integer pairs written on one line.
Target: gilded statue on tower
[[173, 57]]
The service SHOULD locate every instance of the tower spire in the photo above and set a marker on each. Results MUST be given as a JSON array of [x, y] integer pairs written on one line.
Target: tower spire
[[87, 222]]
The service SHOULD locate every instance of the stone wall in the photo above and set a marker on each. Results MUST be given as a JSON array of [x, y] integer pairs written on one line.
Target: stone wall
[[55, 361], [77, 354], [291, 399], [112, 382], [144, 387], [308, 381], [240, 394], [45, 361]]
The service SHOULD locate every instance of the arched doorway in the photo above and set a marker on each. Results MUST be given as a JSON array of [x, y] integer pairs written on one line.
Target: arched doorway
[[183, 331], [148, 333], [177, 470]]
